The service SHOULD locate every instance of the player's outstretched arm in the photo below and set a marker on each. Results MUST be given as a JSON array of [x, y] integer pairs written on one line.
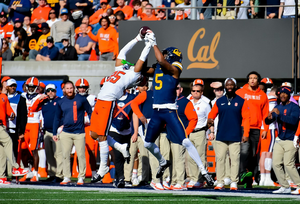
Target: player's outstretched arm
[[139, 64]]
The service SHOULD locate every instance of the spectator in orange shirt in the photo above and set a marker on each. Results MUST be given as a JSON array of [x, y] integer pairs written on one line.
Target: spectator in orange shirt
[[78, 31], [40, 14], [127, 10], [161, 14], [179, 15], [6, 28], [148, 15], [107, 38], [94, 19]]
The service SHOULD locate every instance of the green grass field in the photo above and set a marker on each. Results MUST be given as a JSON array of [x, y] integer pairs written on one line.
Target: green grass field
[[24, 195]]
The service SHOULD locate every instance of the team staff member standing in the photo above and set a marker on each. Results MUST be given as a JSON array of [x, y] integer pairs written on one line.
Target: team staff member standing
[[198, 136], [107, 38], [259, 109], [53, 149], [232, 111], [287, 116], [72, 109]]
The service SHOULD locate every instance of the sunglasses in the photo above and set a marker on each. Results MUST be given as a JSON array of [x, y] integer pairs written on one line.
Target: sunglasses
[[177, 88], [198, 91], [160, 11], [52, 13], [219, 89], [48, 90], [103, 3]]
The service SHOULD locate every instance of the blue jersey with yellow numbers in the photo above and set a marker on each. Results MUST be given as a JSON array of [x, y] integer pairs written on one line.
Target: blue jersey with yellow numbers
[[164, 85]]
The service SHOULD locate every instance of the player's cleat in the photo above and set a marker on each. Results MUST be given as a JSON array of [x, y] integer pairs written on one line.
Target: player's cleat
[[157, 186], [100, 174], [296, 192], [19, 172], [233, 186], [3, 181], [282, 190], [227, 181], [166, 186], [179, 187], [125, 152], [35, 178], [128, 184], [210, 181], [161, 169], [65, 181], [42, 172], [119, 184], [80, 181], [194, 184], [135, 181], [219, 187]]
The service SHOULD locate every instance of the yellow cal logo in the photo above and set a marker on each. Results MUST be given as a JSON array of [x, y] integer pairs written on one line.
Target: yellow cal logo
[[205, 58], [177, 52]]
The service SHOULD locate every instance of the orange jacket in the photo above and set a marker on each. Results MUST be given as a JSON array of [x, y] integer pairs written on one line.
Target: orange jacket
[[127, 10], [40, 12], [94, 19], [258, 106], [6, 31], [144, 17], [5, 108], [192, 117], [107, 40]]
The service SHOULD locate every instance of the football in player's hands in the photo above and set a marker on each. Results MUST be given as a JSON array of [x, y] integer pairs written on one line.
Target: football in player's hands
[[143, 31]]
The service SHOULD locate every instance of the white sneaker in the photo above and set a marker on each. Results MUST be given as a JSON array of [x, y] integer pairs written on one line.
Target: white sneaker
[[29, 175], [103, 170], [135, 181], [220, 186], [268, 182], [296, 192], [179, 187], [261, 182], [157, 186], [166, 185], [194, 184], [282, 190], [80, 181], [65, 181], [254, 183], [233, 186], [227, 181]]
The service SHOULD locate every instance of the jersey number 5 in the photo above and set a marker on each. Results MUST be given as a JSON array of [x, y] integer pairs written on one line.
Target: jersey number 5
[[159, 82], [115, 77]]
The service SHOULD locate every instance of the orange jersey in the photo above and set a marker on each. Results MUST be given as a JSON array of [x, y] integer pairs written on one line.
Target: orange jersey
[[146, 18], [258, 105], [5, 108], [6, 31], [40, 13], [127, 10], [107, 40], [95, 18]]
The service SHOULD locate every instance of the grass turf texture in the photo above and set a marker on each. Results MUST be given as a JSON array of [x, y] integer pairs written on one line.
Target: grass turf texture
[[21, 195]]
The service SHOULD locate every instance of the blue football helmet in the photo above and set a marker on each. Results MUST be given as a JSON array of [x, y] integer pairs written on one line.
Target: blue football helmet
[[173, 54]]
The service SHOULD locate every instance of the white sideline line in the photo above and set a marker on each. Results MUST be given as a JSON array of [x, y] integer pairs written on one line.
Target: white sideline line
[[133, 190]]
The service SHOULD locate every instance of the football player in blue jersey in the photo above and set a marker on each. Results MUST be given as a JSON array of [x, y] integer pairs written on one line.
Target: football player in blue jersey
[[166, 77]]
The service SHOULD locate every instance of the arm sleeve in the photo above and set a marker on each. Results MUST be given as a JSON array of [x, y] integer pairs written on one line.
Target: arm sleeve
[[292, 118], [191, 115], [141, 98], [265, 113], [37, 106], [57, 118], [214, 112], [246, 119], [21, 116]]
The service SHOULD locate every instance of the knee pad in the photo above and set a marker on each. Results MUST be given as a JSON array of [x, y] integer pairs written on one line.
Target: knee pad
[[268, 164], [186, 143]]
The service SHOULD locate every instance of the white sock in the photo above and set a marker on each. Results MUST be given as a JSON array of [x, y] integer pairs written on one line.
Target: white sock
[[194, 154], [262, 176], [113, 143], [145, 53], [153, 148], [267, 175], [42, 158], [103, 153], [134, 173], [127, 48]]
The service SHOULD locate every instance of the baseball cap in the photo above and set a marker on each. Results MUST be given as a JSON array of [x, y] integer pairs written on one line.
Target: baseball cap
[[34, 25], [42, 84], [44, 25], [103, 1], [64, 11], [2, 14], [266, 81], [17, 20], [49, 39], [5, 79], [198, 82], [216, 84], [50, 86], [11, 82], [288, 84]]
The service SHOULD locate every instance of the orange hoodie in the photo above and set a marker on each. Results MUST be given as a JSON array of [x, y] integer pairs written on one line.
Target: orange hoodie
[[5, 108], [258, 105]]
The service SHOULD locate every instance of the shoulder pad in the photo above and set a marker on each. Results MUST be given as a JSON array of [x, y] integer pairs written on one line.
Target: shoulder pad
[[177, 65]]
